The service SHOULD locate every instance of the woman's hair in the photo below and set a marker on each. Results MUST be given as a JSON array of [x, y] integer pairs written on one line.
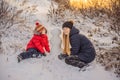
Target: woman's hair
[[66, 44]]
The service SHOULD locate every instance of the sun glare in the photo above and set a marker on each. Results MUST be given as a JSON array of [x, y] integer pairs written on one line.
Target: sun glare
[[90, 3]]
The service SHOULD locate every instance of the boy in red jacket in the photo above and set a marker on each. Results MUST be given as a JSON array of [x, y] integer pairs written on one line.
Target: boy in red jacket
[[37, 45]]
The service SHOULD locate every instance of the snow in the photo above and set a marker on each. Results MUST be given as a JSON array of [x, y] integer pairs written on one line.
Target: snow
[[49, 67]]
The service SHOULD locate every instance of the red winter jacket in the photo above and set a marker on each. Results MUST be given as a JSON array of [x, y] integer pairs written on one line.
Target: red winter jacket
[[39, 42]]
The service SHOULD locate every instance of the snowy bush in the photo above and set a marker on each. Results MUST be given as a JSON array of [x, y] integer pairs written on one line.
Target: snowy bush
[[116, 16], [110, 59], [7, 15], [96, 9], [8, 18]]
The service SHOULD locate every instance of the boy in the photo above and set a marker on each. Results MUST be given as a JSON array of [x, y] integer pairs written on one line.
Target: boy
[[37, 45]]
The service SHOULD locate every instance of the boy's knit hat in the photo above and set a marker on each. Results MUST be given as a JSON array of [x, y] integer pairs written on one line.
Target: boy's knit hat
[[39, 27], [68, 24]]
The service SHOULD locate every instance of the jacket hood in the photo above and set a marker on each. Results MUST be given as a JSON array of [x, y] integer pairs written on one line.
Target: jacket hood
[[74, 31]]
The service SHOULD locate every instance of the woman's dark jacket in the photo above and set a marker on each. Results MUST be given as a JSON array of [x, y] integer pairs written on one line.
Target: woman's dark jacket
[[81, 46]]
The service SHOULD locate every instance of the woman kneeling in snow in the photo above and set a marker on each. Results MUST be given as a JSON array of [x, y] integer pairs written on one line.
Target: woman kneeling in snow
[[35, 47], [82, 51]]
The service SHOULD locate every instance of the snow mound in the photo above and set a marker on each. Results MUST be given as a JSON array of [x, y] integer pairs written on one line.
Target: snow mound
[[45, 68]]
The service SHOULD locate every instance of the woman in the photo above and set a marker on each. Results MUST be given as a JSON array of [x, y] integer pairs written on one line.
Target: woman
[[82, 51]]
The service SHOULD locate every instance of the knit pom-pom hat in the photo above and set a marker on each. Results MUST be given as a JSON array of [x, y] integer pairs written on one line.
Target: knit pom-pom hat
[[68, 24], [39, 28]]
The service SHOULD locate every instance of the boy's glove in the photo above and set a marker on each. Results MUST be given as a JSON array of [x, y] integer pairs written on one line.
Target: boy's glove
[[48, 51]]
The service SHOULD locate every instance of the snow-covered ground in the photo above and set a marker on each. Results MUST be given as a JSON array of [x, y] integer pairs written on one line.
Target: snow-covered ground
[[49, 67]]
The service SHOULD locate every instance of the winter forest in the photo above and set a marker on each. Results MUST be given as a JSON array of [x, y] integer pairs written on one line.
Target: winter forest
[[98, 20]]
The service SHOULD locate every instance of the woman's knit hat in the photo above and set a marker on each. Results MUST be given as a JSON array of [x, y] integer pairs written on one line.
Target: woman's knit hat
[[68, 24]]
